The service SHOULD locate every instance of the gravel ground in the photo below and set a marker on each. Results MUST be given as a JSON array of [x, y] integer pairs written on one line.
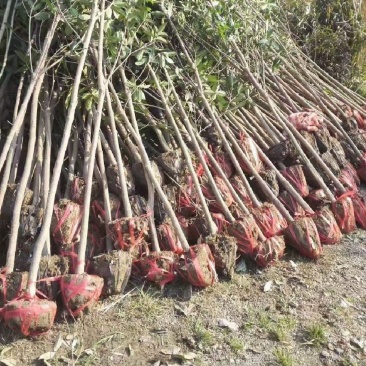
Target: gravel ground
[[298, 312]]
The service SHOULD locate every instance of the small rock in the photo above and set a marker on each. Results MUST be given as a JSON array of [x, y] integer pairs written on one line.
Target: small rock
[[339, 350], [241, 267], [325, 354], [227, 324], [267, 287], [357, 342], [330, 346], [232, 360]]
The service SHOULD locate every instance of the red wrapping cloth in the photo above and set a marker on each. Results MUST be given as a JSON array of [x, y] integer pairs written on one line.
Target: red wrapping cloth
[[66, 222], [214, 205], [269, 220], [80, 292], [359, 205], [296, 177], [317, 199], [344, 212], [245, 231], [306, 121], [349, 178], [238, 185], [326, 224], [250, 151], [361, 122], [303, 236], [361, 171], [187, 199], [158, 267], [32, 317], [168, 239], [291, 204], [223, 160], [269, 251], [197, 266]]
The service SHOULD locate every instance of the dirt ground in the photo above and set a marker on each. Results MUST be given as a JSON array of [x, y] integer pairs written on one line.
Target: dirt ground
[[297, 313]]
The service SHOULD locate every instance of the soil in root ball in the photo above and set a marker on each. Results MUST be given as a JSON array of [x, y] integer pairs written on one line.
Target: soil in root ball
[[115, 268]]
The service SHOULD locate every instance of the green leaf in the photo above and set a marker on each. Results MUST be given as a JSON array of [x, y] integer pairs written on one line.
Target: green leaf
[[42, 15], [84, 16], [73, 12]]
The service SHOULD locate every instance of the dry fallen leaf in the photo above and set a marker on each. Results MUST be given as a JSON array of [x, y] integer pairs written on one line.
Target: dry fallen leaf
[[47, 356], [185, 356]]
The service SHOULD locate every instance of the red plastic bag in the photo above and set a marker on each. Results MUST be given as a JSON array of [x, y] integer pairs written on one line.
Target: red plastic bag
[[245, 231], [344, 213], [31, 317], [269, 251], [306, 121], [197, 266], [158, 267], [296, 177], [326, 224], [269, 220], [359, 205], [168, 239], [303, 236], [213, 204]]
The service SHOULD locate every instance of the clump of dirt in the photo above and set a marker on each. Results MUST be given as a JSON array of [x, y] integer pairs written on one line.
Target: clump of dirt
[[269, 219], [172, 163], [246, 232], [292, 206], [269, 176], [269, 251], [213, 205], [138, 205], [344, 214], [168, 238], [12, 286], [114, 184], [80, 292], [115, 269], [303, 236], [140, 179], [66, 222], [78, 190], [326, 224], [197, 266], [30, 317], [223, 248], [158, 267], [129, 232], [50, 268], [10, 197]]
